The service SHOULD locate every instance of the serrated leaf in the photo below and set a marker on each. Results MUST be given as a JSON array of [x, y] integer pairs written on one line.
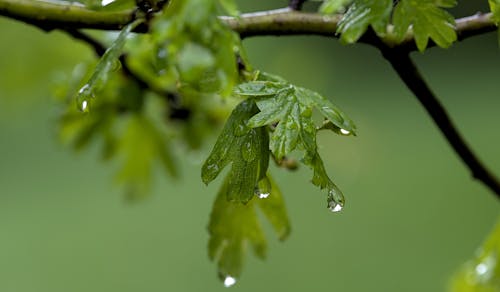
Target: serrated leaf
[[333, 6], [428, 21], [362, 14], [234, 227], [245, 148], [289, 110]]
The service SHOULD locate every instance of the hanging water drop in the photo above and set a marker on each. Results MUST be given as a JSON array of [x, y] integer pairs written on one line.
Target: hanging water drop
[[229, 281], [335, 201], [345, 132], [263, 188], [83, 98]]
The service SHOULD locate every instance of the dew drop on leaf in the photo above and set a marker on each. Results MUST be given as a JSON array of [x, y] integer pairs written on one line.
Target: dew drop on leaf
[[335, 202], [213, 167], [263, 188], [241, 130], [115, 66], [83, 98], [229, 281], [248, 151], [345, 132]]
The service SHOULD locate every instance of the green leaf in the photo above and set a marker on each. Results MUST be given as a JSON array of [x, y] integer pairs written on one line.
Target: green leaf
[[427, 19], [333, 6], [192, 41], [245, 148], [481, 274], [289, 111], [495, 9], [230, 7], [108, 61], [234, 227], [141, 147], [360, 15]]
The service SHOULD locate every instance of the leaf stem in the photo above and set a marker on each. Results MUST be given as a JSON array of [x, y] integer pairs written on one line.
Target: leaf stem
[[409, 74]]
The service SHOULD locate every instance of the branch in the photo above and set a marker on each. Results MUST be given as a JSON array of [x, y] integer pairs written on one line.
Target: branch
[[51, 15], [274, 22], [409, 74]]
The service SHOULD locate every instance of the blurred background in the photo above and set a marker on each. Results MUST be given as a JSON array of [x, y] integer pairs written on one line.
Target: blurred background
[[413, 213]]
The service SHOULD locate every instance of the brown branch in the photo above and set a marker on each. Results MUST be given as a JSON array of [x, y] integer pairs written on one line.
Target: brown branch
[[409, 74], [48, 16]]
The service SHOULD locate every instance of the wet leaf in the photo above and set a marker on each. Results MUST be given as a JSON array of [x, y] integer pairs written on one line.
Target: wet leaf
[[428, 21], [288, 108], [245, 148], [362, 14]]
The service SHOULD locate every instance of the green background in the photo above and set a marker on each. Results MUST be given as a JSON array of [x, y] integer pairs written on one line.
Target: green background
[[413, 213]]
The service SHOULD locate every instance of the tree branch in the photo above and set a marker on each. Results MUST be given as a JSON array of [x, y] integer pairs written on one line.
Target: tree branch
[[52, 15], [274, 22], [409, 74]]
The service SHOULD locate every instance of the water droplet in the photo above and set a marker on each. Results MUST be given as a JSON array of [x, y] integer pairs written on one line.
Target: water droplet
[[229, 281], [263, 195], [115, 65], [248, 152], [481, 269], [83, 99], [213, 167], [335, 201], [263, 188], [241, 130], [345, 132]]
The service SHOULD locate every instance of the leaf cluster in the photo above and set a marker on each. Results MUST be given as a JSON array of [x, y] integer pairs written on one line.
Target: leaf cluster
[[425, 20]]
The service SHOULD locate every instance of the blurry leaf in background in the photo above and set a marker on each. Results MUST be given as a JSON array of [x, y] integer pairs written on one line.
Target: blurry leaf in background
[[481, 274], [234, 227], [194, 43], [362, 14], [427, 20], [141, 147]]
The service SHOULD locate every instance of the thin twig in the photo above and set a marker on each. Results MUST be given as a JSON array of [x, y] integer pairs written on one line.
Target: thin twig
[[409, 74]]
